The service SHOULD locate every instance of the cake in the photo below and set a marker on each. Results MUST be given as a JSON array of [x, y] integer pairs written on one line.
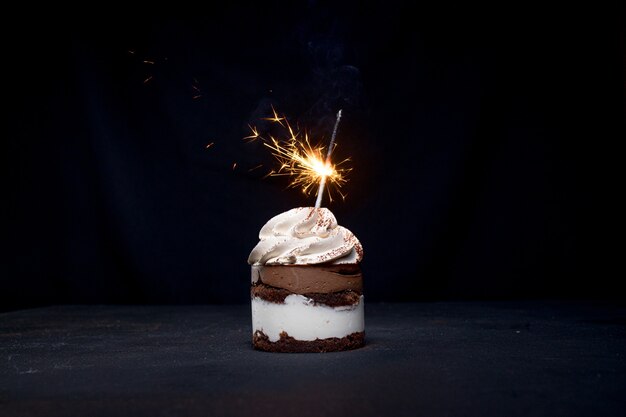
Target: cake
[[307, 286]]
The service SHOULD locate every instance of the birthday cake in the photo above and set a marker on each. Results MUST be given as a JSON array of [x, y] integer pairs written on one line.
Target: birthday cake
[[307, 286]]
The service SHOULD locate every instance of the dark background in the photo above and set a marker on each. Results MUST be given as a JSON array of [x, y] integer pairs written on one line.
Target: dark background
[[484, 145]]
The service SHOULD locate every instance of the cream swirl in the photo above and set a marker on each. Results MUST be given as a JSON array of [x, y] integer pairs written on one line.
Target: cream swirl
[[305, 235]]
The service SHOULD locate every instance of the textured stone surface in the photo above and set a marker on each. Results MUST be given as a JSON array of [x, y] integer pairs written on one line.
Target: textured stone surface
[[485, 359]]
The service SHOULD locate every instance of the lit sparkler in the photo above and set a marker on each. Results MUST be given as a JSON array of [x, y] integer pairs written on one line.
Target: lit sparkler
[[308, 165]]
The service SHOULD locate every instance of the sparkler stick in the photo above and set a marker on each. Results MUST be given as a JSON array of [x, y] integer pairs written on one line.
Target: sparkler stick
[[331, 146]]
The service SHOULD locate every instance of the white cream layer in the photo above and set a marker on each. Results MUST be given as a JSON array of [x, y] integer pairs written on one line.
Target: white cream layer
[[301, 319]]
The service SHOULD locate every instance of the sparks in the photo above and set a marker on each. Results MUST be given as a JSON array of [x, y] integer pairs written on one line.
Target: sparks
[[147, 80], [275, 118], [307, 165], [209, 145], [254, 134]]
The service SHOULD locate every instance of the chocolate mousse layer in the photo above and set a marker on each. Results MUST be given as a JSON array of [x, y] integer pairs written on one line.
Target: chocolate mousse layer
[[305, 279]]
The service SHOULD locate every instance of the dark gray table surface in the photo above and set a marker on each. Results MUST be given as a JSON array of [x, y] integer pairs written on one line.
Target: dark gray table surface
[[426, 359]]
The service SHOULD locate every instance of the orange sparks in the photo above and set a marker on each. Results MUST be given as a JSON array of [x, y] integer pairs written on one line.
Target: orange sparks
[[307, 165], [254, 135], [256, 167], [275, 118]]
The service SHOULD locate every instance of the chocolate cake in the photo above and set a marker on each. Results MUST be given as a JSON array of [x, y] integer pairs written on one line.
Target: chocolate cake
[[307, 286]]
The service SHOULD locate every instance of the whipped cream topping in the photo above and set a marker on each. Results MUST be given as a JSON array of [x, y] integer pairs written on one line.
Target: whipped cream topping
[[303, 236]]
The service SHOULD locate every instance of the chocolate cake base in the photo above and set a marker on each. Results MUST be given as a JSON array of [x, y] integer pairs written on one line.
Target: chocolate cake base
[[287, 344]]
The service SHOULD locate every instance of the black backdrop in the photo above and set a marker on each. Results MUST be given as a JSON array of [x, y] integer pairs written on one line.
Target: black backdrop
[[483, 141]]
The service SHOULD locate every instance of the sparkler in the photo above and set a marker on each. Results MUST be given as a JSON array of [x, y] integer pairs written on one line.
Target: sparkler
[[307, 164], [331, 146]]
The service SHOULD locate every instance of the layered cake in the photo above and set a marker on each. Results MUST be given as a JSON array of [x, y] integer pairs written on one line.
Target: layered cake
[[307, 286]]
